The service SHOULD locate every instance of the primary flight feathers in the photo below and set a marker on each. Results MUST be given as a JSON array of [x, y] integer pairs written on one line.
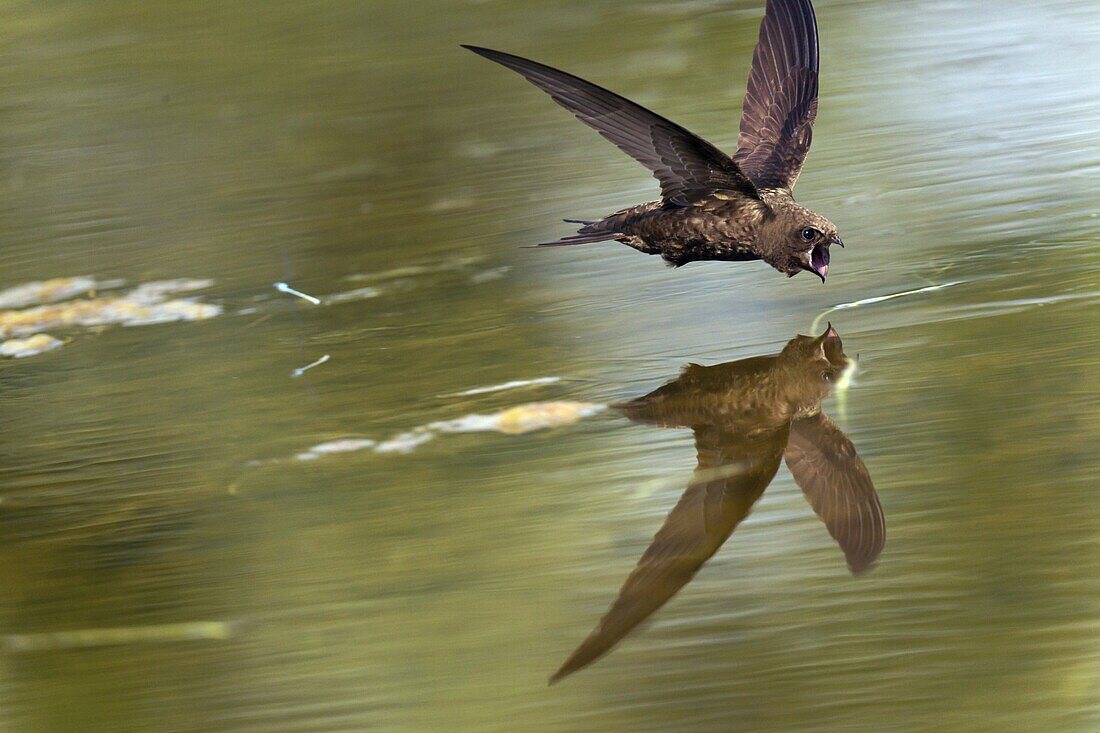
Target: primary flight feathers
[[687, 166], [776, 120], [781, 101]]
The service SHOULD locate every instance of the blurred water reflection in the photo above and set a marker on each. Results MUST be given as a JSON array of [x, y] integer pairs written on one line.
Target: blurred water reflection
[[745, 416], [164, 570]]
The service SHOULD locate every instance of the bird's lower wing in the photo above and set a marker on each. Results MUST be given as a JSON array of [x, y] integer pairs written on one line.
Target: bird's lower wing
[[726, 485], [838, 486]]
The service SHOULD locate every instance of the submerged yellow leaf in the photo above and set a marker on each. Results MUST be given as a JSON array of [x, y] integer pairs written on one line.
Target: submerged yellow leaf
[[37, 344], [541, 415], [145, 305], [45, 291]]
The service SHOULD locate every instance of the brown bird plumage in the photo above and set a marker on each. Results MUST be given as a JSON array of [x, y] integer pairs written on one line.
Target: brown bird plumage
[[714, 207], [746, 416]]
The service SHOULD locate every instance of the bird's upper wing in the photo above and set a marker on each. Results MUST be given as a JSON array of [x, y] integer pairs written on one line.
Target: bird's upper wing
[[729, 479], [824, 464], [781, 101], [687, 166]]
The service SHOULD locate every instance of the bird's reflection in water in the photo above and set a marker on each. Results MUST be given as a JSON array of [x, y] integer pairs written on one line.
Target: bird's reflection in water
[[747, 416]]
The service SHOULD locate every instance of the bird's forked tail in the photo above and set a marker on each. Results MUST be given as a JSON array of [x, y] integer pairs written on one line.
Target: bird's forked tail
[[587, 234]]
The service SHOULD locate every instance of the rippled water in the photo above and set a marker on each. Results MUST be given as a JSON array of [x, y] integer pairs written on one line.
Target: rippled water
[[167, 562]]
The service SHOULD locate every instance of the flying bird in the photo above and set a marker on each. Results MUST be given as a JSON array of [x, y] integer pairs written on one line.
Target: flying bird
[[714, 206], [746, 416]]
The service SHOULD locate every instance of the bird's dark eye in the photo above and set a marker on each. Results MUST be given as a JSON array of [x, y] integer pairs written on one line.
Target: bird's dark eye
[[809, 234]]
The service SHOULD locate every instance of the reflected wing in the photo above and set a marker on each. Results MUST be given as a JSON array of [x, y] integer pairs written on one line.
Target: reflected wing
[[727, 482], [781, 101], [836, 483], [687, 166]]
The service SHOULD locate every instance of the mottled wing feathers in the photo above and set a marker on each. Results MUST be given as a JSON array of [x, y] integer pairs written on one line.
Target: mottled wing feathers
[[725, 486], [686, 166], [781, 100], [824, 464]]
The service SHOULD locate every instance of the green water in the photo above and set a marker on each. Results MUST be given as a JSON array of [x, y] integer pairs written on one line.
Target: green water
[[146, 480]]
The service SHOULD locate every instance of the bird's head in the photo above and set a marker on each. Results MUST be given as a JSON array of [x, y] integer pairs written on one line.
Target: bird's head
[[812, 366], [796, 239]]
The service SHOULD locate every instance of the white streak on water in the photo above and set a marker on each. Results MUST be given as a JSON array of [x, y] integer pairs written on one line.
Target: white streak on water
[[284, 288], [879, 299], [506, 385], [302, 370]]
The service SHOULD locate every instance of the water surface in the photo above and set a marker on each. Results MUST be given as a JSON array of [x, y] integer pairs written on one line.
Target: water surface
[[148, 480]]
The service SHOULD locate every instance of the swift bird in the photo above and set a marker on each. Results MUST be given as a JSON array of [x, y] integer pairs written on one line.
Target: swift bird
[[746, 416], [713, 206]]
